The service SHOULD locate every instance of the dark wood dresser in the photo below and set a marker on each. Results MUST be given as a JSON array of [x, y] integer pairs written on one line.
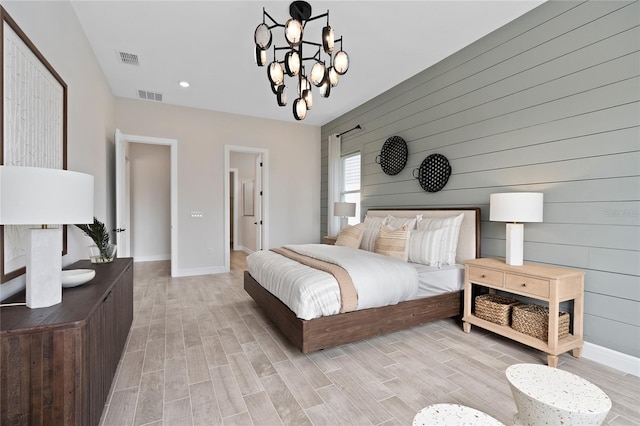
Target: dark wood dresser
[[57, 363]]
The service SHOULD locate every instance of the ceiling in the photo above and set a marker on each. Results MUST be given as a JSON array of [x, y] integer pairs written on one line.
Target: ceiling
[[210, 45]]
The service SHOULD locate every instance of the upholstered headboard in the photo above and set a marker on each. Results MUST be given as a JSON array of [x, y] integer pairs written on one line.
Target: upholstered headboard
[[469, 238]]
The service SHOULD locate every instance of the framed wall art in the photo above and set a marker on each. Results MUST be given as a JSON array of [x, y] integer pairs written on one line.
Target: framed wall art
[[34, 126]]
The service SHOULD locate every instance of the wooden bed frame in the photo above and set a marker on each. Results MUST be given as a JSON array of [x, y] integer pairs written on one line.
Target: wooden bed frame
[[325, 332]]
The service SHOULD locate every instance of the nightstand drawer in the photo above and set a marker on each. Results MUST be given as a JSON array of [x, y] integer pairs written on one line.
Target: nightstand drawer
[[486, 276], [528, 285]]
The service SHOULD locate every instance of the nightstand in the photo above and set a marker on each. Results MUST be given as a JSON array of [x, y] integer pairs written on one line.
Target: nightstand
[[541, 282], [329, 239]]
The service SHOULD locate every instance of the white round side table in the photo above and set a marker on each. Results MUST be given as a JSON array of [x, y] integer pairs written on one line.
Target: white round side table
[[453, 414], [546, 395]]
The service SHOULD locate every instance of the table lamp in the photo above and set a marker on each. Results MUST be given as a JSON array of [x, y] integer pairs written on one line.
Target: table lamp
[[344, 210], [515, 207], [35, 195]]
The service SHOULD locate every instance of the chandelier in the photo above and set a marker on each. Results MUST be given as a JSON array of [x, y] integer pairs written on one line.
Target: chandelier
[[323, 72]]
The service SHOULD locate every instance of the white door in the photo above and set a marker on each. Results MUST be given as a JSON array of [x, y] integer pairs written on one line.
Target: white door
[[122, 213], [123, 238]]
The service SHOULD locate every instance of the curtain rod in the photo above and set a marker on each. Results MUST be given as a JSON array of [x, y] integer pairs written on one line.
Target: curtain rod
[[357, 127]]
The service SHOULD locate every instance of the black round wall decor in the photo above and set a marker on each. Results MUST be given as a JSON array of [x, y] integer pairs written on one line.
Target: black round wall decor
[[433, 173], [393, 156]]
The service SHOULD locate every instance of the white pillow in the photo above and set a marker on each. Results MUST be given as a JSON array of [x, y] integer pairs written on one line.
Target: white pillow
[[369, 239], [374, 222], [451, 226], [399, 222], [350, 236], [425, 246]]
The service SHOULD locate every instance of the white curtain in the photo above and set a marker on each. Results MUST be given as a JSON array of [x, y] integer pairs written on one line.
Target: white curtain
[[335, 183]]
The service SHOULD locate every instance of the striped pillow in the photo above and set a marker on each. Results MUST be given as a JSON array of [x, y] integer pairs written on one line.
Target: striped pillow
[[350, 236], [424, 246], [374, 221], [369, 237], [393, 242], [398, 222], [451, 226]]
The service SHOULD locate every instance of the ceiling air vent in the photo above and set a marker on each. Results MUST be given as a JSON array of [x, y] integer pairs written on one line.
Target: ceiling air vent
[[150, 96], [128, 58]]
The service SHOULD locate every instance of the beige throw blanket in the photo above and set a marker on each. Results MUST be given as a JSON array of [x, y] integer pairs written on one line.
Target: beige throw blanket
[[348, 293]]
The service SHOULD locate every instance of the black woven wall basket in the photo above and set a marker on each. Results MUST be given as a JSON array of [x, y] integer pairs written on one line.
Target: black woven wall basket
[[433, 173], [393, 156]]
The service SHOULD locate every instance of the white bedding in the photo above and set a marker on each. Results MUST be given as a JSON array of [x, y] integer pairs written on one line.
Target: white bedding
[[310, 293], [434, 280]]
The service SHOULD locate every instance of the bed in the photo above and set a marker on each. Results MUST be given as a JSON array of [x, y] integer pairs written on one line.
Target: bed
[[310, 335]]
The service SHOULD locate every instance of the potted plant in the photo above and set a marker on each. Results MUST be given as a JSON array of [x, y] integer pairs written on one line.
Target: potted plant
[[102, 251]]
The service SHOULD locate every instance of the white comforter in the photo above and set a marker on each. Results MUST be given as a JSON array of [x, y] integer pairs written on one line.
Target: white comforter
[[310, 293]]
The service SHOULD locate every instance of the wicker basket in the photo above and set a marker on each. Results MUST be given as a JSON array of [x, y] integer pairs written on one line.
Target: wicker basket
[[494, 308], [533, 320]]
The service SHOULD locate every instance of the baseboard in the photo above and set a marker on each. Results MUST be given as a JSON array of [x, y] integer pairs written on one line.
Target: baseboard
[[623, 362], [200, 271], [246, 250], [154, 258]]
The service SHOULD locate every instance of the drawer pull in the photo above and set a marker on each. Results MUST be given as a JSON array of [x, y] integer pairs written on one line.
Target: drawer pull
[[483, 276], [523, 284]]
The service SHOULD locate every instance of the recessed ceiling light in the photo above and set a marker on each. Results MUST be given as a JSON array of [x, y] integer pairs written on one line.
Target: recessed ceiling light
[[184, 84]]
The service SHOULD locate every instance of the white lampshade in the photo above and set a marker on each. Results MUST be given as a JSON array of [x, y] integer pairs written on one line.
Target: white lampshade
[[39, 196], [516, 207], [344, 209]]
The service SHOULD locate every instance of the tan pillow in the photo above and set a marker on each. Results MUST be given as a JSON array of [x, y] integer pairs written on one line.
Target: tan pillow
[[350, 236], [393, 242]]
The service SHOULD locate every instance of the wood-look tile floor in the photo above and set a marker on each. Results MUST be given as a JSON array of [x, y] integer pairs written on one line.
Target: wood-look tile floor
[[200, 352]]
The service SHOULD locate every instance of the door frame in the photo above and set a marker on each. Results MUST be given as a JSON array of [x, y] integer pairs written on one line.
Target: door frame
[[234, 172], [121, 141], [228, 149]]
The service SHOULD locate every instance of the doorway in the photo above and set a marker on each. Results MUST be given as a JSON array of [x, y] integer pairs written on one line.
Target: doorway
[[258, 200], [123, 237]]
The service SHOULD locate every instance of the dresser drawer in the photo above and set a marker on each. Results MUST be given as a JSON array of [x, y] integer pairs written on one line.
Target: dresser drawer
[[486, 276], [527, 285]]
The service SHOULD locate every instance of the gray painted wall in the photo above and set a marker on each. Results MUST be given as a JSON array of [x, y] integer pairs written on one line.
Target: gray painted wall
[[550, 102]]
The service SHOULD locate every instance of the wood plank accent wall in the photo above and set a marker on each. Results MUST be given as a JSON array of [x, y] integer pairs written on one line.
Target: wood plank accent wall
[[550, 102]]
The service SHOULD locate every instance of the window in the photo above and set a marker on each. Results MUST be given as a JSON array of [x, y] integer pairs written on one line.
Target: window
[[351, 183]]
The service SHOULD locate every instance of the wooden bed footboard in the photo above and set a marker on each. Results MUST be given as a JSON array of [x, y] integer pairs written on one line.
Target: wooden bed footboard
[[325, 332]]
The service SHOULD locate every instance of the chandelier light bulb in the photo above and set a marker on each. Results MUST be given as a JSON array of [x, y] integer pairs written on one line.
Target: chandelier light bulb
[[262, 36], [292, 63], [325, 88], [299, 109], [303, 84], [328, 39], [308, 98], [341, 62], [293, 31], [275, 73], [282, 95], [333, 76], [261, 56], [317, 73]]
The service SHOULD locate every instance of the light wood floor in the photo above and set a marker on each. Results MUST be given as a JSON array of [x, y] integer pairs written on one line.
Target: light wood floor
[[201, 352], [238, 260]]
